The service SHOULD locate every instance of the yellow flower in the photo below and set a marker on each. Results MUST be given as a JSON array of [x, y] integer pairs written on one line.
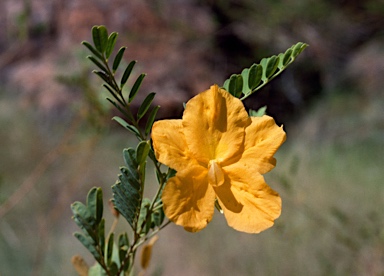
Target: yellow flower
[[219, 153]]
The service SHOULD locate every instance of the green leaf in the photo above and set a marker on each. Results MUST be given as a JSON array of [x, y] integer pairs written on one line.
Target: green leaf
[[120, 108], [142, 151], [113, 269], [271, 66], [95, 203], [81, 210], [110, 249], [103, 76], [145, 105], [158, 217], [118, 58], [298, 48], [151, 120], [287, 57], [126, 191], [123, 248], [92, 49], [235, 85], [100, 37], [101, 233], [245, 74], [86, 228], [97, 63], [260, 112], [127, 73], [171, 173], [83, 218], [126, 198], [225, 86], [135, 87], [130, 175], [96, 270], [144, 221], [254, 77], [89, 244], [263, 64], [129, 156], [123, 241], [111, 91], [110, 44], [260, 74], [126, 125]]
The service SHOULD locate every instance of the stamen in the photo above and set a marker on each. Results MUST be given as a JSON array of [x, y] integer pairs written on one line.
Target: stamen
[[215, 174]]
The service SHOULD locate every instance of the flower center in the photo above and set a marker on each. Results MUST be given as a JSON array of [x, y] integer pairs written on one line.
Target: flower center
[[215, 174]]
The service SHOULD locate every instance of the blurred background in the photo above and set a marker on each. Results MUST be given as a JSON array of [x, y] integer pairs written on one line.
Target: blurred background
[[57, 139]]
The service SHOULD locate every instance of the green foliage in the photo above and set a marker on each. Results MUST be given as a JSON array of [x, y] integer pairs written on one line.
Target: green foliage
[[89, 218], [126, 194], [100, 38], [118, 58], [126, 125], [102, 49], [260, 112], [127, 73], [254, 78], [151, 119], [145, 105], [145, 216], [135, 87], [110, 44]]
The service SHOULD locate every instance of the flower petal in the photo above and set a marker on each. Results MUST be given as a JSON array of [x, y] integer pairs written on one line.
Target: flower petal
[[214, 122], [188, 199], [262, 139], [169, 144], [248, 203]]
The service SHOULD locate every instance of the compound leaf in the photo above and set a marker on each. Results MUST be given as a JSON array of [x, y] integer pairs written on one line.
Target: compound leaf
[[252, 79]]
